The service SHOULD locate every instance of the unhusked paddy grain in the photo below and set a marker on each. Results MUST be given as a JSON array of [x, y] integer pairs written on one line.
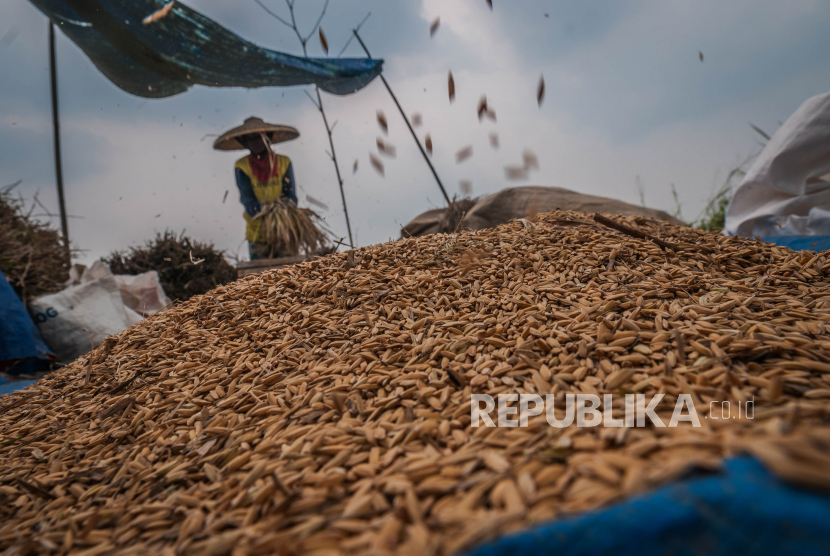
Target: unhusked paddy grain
[[325, 408]]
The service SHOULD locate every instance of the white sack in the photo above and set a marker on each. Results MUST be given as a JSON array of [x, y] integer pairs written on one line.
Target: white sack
[[96, 271], [132, 316], [62, 317], [786, 190], [142, 293]]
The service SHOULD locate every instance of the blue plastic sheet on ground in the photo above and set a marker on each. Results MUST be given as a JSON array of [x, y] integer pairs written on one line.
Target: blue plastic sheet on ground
[[801, 243], [9, 387], [185, 48], [744, 510], [19, 337]]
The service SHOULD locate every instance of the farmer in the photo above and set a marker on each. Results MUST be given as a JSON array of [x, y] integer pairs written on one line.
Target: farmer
[[261, 177]]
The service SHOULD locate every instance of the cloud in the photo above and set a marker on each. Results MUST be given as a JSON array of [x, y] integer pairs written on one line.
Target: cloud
[[644, 73], [477, 31], [626, 97]]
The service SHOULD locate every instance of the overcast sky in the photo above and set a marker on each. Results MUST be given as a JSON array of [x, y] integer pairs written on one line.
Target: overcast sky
[[628, 102]]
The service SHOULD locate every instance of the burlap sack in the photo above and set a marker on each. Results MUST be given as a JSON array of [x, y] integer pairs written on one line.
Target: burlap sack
[[518, 202], [424, 224]]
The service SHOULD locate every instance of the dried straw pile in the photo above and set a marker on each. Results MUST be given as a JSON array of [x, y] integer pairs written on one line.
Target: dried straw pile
[[325, 408], [289, 230], [32, 254], [173, 257]]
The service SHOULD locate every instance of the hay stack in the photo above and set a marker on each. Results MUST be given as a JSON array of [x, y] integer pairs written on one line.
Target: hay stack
[[325, 407], [33, 256], [289, 230], [173, 257]]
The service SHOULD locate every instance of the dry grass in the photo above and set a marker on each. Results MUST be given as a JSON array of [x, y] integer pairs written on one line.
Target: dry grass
[[32, 254], [170, 255], [290, 230]]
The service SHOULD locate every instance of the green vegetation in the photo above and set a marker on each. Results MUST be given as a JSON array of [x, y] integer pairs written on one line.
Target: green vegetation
[[714, 213], [713, 216]]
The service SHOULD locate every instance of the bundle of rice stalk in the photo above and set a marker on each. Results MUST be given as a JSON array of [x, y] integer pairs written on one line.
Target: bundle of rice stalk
[[289, 230], [33, 256]]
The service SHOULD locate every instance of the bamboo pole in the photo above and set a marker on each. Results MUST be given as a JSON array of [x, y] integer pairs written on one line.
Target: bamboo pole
[[336, 165], [56, 134]]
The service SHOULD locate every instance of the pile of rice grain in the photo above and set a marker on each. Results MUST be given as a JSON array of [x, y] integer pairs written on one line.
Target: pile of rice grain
[[325, 408]]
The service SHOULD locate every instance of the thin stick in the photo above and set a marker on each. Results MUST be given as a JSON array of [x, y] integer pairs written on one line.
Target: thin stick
[[348, 42], [311, 98], [344, 244], [293, 25], [319, 20], [319, 103], [38, 203], [8, 188], [56, 133], [336, 166], [272, 14], [634, 233], [414, 136]]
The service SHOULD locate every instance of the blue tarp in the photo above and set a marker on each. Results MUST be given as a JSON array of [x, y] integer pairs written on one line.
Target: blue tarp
[[744, 510], [801, 243], [7, 387], [19, 337], [185, 48]]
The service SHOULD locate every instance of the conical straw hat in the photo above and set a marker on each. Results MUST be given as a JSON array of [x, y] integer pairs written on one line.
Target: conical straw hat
[[229, 141]]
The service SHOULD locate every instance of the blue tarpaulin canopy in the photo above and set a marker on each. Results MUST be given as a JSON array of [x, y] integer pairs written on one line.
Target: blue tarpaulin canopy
[[185, 48]]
